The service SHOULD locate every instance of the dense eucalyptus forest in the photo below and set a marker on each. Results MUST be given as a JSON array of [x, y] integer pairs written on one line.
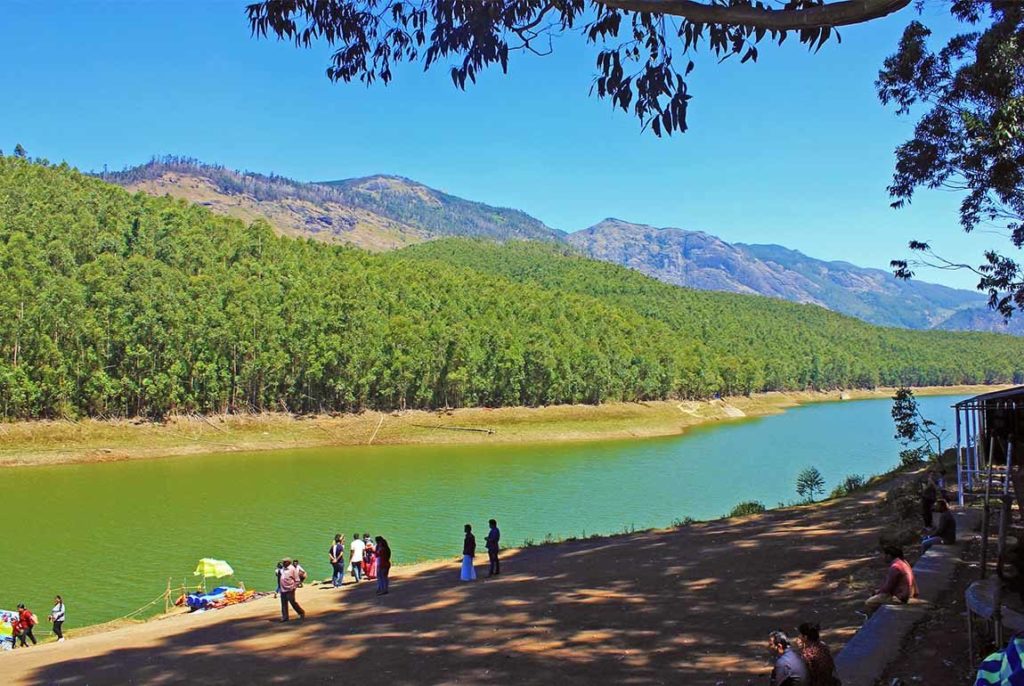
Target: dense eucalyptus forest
[[114, 304]]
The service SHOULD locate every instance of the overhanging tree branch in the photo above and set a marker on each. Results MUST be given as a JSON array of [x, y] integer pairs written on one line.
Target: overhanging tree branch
[[833, 14]]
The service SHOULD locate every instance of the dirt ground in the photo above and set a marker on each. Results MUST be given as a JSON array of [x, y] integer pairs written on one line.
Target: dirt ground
[[28, 443], [935, 652], [683, 606]]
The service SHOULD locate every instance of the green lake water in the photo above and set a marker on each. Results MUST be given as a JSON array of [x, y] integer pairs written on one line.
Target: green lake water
[[108, 535]]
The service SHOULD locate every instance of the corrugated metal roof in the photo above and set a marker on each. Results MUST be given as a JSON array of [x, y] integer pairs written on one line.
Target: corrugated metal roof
[[1014, 395]]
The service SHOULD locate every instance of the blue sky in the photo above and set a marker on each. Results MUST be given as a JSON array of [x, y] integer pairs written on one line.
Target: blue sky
[[795, 149]]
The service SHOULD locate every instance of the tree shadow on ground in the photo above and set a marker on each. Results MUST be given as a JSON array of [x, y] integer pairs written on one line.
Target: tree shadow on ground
[[688, 606]]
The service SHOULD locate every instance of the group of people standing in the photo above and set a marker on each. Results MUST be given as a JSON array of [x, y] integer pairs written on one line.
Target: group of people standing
[[25, 621], [469, 551], [368, 559]]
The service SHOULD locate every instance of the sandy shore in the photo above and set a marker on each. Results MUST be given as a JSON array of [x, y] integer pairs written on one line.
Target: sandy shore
[[91, 440], [684, 606]]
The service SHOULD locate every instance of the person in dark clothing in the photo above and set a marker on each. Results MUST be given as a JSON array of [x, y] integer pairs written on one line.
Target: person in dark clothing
[[929, 494], [789, 668], [336, 553], [944, 531], [468, 553], [821, 668], [493, 538], [383, 565]]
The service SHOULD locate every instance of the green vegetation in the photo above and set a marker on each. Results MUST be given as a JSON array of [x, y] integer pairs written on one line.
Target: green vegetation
[[749, 507], [920, 436], [122, 305], [809, 483], [852, 482]]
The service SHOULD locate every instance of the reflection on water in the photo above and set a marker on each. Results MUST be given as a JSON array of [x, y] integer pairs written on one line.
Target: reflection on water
[[108, 535]]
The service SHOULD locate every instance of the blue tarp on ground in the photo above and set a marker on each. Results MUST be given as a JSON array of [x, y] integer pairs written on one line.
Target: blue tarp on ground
[[200, 601]]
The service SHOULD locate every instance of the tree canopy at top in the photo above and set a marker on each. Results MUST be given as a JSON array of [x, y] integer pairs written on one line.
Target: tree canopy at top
[[638, 65], [971, 138]]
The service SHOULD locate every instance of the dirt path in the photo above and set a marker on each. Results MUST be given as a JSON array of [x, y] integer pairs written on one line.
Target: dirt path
[[687, 606]]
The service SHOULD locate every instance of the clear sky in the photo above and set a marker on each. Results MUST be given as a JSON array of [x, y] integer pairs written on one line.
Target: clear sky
[[795, 149]]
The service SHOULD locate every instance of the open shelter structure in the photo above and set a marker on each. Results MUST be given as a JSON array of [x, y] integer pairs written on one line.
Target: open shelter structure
[[989, 438]]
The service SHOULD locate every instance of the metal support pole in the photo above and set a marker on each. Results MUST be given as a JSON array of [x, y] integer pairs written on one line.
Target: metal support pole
[[985, 515], [959, 461]]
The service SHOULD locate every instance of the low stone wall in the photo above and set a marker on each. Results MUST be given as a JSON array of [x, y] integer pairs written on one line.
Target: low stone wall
[[877, 643]]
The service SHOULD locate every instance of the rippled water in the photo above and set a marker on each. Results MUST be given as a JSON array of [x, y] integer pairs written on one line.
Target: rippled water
[[108, 535]]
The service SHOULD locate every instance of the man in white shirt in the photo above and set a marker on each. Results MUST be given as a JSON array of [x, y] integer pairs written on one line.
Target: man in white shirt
[[357, 549]]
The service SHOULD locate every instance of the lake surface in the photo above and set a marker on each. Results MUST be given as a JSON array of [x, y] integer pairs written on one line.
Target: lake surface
[[108, 535]]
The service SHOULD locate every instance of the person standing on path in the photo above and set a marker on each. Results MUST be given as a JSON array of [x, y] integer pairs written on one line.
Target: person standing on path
[[356, 552], [383, 565], [289, 582], [28, 621], [369, 558], [929, 494], [57, 615], [337, 555], [468, 553], [493, 538]]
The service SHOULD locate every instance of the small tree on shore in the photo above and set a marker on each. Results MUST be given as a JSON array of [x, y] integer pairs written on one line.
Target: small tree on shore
[[810, 483], [920, 436]]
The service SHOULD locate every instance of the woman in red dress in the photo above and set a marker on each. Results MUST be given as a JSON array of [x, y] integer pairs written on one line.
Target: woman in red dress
[[370, 558]]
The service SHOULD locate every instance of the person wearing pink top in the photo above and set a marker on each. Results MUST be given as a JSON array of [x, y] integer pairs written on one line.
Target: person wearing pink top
[[291, 578], [899, 585]]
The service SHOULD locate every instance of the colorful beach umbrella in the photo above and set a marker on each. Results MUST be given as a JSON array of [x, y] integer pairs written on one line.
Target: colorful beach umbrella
[[211, 567]]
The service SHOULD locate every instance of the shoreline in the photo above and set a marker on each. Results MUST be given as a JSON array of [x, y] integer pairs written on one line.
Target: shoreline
[[50, 442], [585, 578]]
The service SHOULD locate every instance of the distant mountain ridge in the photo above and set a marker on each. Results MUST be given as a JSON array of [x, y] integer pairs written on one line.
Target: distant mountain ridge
[[698, 260], [376, 212], [384, 212]]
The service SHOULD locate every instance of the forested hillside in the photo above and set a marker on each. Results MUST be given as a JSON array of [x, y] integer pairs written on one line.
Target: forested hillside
[[122, 304], [386, 212]]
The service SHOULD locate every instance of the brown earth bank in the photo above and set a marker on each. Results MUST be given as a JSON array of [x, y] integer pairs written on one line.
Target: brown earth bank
[[691, 605], [94, 440]]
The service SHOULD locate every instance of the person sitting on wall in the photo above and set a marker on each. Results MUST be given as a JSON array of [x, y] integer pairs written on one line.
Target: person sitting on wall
[[899, 585], [788, 668], [944, 531]]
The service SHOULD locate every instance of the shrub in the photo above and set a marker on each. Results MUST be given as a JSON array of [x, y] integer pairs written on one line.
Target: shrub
[[851, 483], [748, 507], [911, 457]]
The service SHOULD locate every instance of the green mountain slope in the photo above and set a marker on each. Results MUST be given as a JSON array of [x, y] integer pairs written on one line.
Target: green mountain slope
[[125, 304]]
